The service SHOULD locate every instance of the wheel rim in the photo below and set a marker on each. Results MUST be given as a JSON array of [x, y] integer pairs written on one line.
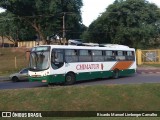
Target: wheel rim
[[116, 74], [70, 79]]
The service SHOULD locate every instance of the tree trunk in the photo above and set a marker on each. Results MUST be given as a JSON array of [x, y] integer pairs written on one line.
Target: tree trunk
[[2, 41], [41, 35], [10, 39], [37, 28]]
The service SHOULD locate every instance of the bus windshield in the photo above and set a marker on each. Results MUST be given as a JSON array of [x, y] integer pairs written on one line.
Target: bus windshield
[[39, 60]]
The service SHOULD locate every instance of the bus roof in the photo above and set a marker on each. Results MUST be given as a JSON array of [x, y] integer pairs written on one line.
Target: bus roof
[[105, 47]]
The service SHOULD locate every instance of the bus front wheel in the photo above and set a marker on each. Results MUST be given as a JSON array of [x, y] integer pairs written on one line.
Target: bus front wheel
[[69, 79]]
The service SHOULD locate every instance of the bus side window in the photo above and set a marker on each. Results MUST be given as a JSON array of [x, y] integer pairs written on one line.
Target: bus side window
[[124, 53], [109, 55], [85, 56], [57, 58], [71, 56], [53, 56], [130, 55], [120, 56], [97, 56]]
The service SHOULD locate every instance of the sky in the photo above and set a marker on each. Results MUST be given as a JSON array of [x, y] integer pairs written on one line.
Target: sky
[[1, 10], [93, 8]]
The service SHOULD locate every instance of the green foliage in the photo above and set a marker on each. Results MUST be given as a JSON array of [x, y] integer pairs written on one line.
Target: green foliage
[[140, 97], [15, 28], [45, 17], [129, 22]]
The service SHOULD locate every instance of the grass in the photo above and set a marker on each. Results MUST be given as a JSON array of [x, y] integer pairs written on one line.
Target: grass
[[140, 97], [155, 65], [152, 65], [144, 97], [7, 60]]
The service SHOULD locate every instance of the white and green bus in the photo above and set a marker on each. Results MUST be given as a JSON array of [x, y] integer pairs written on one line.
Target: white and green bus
[[68, 64]]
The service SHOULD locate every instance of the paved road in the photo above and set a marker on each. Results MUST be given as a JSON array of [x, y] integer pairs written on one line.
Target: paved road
[[19, 85], [135, 79]]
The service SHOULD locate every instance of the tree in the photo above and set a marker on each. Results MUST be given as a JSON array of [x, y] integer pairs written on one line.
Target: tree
[[14, 29], [128, 22], [46, 16], [5, 29]]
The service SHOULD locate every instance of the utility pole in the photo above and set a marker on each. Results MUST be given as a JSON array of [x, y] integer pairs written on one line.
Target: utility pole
[[64, 25], [64, 29]]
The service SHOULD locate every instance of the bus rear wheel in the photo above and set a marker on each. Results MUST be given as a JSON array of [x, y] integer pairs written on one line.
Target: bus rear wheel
[[70, 79], [116, 74]]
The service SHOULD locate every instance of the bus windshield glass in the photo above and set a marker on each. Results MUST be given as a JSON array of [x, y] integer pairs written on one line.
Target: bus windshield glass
[[39, 58]]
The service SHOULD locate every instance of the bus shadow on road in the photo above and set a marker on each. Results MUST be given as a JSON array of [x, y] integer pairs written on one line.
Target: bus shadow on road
[[88, 82], [102, 80]]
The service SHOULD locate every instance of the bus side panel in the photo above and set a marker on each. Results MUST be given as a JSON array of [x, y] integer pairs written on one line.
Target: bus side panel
[[106, 73], [57, 75], [50, 78], [59, 78], [93, 75], [127, 72], [40, 79]]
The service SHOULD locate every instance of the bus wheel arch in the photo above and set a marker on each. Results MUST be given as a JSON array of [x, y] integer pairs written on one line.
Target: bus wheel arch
[[70, 78], [116, 73]]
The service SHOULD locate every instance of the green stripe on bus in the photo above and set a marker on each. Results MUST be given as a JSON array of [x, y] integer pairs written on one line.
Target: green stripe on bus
[[103, 74], [93, 75], [50, 78], [126, 72]]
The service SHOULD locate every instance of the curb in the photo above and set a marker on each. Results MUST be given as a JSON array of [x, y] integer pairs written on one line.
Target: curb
[[4, 78], [149, 71]]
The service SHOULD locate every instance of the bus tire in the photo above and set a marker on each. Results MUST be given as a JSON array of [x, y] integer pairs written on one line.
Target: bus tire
[[51, 84], [70, 79], [116, 74]]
